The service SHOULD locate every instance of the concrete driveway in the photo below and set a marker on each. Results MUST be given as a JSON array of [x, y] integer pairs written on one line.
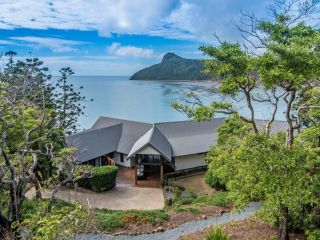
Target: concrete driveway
[[122, 197]]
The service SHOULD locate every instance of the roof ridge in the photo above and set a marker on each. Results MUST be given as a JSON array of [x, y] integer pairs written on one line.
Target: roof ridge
[[128, 120], [94, 129], [181, 121]]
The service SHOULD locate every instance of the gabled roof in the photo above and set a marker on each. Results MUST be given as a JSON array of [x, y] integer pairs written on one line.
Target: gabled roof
[[131, 131], [155, 139], [190, 137], [171, 139], [94, 143]]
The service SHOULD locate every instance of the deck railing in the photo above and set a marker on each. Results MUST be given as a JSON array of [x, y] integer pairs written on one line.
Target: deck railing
[[110, 161]]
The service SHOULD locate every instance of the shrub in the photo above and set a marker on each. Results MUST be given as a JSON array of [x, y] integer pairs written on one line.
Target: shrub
[[103, 178], [314, 235], [98, 178], [82, 175], [216, 233], [214, 181], [63, 222]]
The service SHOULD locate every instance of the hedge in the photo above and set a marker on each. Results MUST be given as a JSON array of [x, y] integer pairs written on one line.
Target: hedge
[[101, 179]]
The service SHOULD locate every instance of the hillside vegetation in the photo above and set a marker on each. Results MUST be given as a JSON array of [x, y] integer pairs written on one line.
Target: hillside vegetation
[[172, 67]]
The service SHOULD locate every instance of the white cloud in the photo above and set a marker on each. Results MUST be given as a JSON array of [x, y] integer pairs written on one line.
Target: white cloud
[[6, 42], [92, 65], [55, 44], [129, 51], [106, 16], [179, 19]]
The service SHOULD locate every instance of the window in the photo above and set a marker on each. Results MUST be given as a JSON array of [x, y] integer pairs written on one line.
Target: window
[[121, 157]]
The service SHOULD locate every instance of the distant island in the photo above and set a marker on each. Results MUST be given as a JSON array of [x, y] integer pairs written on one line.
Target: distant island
[[172, 67]]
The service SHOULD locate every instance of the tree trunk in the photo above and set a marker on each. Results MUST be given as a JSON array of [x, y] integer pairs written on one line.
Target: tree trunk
[[283, 225], [38, 189]]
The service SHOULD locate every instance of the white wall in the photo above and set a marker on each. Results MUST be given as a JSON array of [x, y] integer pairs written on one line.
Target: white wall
[[148, 150], [126, 162], [189, 161]]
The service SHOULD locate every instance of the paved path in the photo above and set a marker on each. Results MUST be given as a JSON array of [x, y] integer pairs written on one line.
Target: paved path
[[188, 227], [122, 197]]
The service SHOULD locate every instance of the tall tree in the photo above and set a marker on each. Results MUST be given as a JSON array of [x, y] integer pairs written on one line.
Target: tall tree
[[281, 65], [29, 138], [10, 54], [69, 103]]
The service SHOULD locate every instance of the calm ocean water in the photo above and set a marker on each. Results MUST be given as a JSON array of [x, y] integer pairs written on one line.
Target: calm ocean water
[[147, 101]]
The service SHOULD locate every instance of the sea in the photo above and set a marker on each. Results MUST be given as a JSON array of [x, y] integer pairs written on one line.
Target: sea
[[149, 100]]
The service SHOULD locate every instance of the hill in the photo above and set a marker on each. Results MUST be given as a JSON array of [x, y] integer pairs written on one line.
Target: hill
[[172, 67]]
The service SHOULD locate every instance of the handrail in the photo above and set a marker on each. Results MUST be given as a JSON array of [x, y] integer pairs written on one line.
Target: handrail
[[110, 161]]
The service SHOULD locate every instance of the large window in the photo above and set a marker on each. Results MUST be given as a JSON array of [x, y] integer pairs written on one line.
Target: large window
[[121, 157]]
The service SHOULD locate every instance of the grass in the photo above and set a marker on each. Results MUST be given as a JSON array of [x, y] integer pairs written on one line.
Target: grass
[[216, 233], [110, 220], [216, 199]]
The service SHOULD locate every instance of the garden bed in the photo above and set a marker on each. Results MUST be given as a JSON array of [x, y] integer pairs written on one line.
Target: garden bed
[[250, 229]]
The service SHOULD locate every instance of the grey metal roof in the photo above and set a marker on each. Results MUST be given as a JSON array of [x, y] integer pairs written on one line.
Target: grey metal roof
[[131, 131], [93, 143], [189, 137], [170, 139], [155, 139]]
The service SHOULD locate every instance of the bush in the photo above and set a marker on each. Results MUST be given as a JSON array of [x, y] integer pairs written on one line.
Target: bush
[[98, 178], [213, 181], [314, 235], [216, 233], [63, 222], [103, 178], [82, 175]]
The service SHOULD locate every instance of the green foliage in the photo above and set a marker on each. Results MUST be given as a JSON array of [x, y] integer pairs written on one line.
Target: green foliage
[[216, 233], [280, 170], [172, 67], [97, 178], [234, 67], [215, 199], [64, 221], [68, 103], [261, 167], [83, 173], [103, 178], [314, 235], [109, 220], [214, 181]]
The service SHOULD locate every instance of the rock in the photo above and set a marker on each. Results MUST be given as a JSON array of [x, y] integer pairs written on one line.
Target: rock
[[119, 233], [204, 216], [158, 229], [222, 212]]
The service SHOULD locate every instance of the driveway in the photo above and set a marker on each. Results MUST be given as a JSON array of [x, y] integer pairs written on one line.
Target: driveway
[[122, 197]]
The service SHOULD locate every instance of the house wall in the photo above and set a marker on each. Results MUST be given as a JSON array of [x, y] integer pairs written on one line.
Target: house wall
[[126, 162], [148, 150], [189, 161]]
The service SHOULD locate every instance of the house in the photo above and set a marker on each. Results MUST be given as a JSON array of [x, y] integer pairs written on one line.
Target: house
[[152, 148]]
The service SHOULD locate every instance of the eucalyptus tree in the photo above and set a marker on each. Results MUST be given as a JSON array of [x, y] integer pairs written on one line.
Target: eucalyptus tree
[[278, 64]]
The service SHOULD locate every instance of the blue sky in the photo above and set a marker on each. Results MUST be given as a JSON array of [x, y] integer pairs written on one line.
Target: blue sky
[[116, 37]]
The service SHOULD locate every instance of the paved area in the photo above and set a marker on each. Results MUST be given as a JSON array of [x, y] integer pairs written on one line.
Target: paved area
[[188, 227], [125, 177], [119, 198]]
